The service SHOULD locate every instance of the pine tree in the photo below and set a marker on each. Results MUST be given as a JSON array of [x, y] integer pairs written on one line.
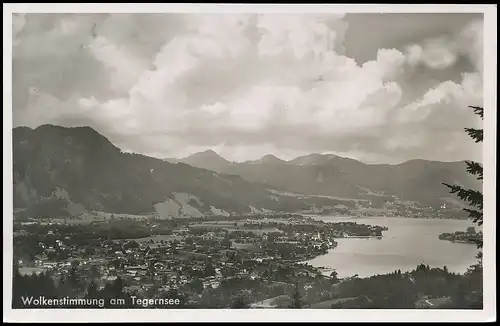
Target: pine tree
[[473, 197], [475, 200], [334, 276], [239, 302], [18, 286], [92, 290], [209, 269], [296, 298], [74, 281], [118, 287]]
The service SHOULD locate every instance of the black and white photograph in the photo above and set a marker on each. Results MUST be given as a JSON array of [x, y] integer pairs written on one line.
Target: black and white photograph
[[248, 161]]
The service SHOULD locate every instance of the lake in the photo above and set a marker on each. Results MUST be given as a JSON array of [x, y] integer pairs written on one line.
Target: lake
[[407, 243]]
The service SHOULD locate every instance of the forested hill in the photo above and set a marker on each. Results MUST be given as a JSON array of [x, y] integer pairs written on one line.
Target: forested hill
[[58, 168]]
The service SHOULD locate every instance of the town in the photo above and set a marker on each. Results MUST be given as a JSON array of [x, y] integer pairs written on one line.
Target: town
[[195, 256], [390, 207], [211, 262]]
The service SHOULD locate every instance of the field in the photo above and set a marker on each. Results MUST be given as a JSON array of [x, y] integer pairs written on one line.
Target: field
[[157, 238], [231, 227]]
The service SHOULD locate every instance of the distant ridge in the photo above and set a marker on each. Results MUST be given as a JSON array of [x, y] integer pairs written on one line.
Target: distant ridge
[[332, 175], [267, 159], [208, 159]]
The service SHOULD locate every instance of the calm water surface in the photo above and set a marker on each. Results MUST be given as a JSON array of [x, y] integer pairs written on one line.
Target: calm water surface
[[407, 243]]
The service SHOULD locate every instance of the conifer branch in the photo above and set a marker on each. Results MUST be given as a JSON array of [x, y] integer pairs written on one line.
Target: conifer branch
[[475, 168], [478, 110], [476, 134]]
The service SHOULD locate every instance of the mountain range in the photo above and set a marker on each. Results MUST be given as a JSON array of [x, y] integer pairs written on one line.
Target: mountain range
[[331, 175], [69, 171]]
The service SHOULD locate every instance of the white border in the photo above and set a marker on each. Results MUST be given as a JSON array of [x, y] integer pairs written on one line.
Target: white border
[[171, 315]]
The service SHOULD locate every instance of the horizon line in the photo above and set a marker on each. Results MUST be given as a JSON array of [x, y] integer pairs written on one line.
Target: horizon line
[[179, 159]]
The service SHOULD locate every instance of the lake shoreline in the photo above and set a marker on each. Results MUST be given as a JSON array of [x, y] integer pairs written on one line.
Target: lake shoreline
[[353, 217], [407, 243]]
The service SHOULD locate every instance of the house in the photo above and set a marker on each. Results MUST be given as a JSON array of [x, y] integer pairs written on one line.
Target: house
[[147, 286], [110, 278], [132, 288], [211, 284], [317, 236], [132, 272]]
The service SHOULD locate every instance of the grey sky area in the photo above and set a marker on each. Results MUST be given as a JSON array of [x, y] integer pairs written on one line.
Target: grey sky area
[[381, 88]]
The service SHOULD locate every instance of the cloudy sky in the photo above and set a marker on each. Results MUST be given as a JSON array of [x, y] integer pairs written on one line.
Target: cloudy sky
[[380, 88]]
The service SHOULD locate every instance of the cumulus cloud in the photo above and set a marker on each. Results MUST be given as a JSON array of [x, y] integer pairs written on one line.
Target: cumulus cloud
[[245, 85], [468, 92], [437, 53], [471, 43], [443, 51], [125, 68]]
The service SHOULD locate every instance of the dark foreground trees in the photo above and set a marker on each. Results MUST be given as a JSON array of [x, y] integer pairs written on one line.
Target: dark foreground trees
[[296, 297], [473, 197], [240, 301], [469, 294]]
